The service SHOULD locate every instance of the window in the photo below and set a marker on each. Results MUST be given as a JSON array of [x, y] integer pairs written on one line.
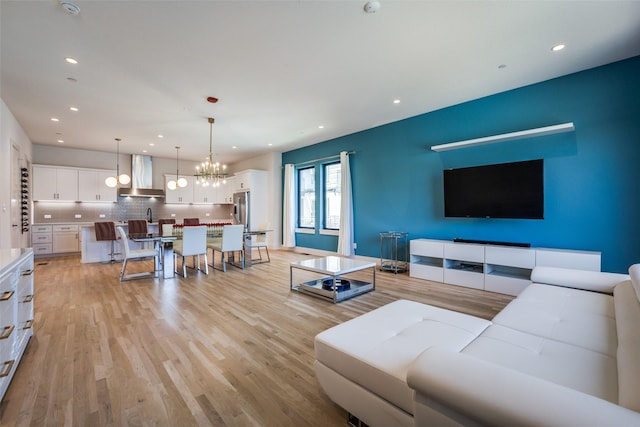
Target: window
[[307, 197], [332, 185]]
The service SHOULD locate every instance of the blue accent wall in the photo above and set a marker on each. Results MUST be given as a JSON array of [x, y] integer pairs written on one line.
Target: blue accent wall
[[592, 175]]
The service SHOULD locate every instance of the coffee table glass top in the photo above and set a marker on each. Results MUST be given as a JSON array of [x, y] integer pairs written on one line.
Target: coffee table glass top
[[333, 265]]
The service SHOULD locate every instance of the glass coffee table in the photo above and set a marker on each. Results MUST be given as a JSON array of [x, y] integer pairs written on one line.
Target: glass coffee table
[[333, 284]]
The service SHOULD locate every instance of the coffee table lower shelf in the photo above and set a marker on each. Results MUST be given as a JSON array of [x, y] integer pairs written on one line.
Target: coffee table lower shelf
[[319, 288]]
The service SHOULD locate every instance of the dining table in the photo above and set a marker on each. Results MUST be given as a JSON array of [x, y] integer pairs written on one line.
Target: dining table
[[164, 264]]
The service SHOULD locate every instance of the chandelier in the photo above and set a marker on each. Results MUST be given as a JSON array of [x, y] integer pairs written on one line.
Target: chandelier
[[178, 182], [123, 179], [210, 172]]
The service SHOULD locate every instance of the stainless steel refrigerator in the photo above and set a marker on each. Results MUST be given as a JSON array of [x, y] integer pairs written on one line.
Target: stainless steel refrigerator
[[241, 209]]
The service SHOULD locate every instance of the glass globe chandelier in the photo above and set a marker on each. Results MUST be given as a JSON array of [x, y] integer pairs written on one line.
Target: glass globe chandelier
[[119, 179], [210, 172], [178, 182]]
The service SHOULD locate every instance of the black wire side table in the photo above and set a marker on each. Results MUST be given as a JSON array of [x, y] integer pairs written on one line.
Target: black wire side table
[[394, 251]]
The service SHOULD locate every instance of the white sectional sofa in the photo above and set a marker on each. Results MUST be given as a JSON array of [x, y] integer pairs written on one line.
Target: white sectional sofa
[[565, 352]]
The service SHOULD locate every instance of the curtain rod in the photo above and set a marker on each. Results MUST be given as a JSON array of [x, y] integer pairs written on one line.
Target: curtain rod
[[321, 158]]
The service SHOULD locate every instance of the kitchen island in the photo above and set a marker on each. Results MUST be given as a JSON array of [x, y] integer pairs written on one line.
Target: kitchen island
[[99, 251]]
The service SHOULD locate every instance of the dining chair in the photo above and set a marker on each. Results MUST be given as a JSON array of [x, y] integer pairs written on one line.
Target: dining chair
[[231, 242], [138, 226], [163, 221], [106, 232], [258, 241], [135, 254], [191, 221], [194, 243]]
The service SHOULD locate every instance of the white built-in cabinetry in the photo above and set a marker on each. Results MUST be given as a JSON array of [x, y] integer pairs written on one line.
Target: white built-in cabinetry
[[503, 269], [72, 184], [181, 195], [16, 310], [92, 186], [55, 183], [55, 238]]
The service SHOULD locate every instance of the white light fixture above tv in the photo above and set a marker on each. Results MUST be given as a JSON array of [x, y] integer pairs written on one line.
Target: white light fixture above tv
[[512, 136]]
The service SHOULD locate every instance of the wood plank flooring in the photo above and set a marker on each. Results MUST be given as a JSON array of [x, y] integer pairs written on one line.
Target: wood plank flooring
[[227, 349]]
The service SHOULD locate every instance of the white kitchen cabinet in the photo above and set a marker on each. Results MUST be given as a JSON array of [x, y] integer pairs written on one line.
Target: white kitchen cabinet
[[16, 310], [249, 179], [226, 190], [92, 186], [205, 194], [55, 183], [42, 239], [181, 195], [65, 238]]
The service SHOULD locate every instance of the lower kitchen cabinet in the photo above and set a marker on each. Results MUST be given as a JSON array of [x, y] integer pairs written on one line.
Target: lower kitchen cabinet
[[16, 310]]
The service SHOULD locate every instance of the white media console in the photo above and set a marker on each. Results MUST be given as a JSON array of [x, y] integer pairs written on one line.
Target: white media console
[[502, 269]]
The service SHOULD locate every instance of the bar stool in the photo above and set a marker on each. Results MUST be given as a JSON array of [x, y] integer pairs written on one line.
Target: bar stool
[[105, 232], [164, 221]]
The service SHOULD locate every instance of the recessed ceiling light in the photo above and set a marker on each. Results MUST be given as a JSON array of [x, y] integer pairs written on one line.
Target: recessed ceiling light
[[396, 101], [71, 8], [234, 147], [144, 151], [71, 60], [558, 47], [53, 119], [73, 109], [160, 136], [270, 145], [321, 127], [61, 141], [151, 144]]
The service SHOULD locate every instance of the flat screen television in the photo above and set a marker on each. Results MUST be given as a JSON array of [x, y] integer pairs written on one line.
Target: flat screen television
[[506, 190]]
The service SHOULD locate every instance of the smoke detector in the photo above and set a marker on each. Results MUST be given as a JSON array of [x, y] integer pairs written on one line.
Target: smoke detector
[[372, 6], [71, 8]]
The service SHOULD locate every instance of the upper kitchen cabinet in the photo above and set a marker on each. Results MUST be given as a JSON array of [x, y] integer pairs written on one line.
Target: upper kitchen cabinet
[[180, 195], [92, 187], [250, 179], [55, 183], [205, 194]]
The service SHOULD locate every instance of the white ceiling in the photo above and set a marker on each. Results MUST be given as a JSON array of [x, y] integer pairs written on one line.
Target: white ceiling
[[280, 68]]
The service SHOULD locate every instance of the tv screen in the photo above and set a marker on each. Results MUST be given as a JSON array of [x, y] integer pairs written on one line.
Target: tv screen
[[506, 190]]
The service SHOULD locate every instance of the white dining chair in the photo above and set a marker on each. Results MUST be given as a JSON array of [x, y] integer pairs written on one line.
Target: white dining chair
[[259, 242], [136, 254], [194, 244], [231, 242]]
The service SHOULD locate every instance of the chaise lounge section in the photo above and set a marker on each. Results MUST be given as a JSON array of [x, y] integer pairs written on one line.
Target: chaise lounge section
[[564, 352]]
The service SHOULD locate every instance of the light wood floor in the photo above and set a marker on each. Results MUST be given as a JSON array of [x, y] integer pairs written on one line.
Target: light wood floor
[[228, 349]]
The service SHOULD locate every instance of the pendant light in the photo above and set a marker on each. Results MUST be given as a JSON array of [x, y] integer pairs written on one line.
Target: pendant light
[[210, 172], [123, 179], [178, 182]]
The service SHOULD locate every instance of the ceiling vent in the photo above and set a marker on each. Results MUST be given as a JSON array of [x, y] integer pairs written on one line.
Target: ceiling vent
[[71, 8]]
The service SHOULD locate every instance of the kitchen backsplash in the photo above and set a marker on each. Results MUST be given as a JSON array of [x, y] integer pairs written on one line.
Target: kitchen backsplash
[[127, 208]]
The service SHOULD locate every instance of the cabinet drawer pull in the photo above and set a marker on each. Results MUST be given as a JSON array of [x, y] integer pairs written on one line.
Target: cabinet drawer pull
[[27, 272], [6, 296], [6, 332], [28, 324], [7, 368], [28, 298]]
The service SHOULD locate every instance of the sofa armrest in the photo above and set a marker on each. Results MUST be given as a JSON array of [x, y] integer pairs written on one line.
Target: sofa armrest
[[461, 389], [580, 279]]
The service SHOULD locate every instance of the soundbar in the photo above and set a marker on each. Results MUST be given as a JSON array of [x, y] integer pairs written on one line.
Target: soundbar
[[491, 242]]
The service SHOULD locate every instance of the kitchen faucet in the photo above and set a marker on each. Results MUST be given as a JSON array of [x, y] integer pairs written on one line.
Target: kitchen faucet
[[149, 216]]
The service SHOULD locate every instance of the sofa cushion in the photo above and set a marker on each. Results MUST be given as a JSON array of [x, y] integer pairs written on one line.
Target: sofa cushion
[[572, 316], [634, 273], [580, 279], [568, 365], [628, 326], [375, 350]]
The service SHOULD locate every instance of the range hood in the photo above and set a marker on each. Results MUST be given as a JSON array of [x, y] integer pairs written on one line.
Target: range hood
[[141, 179], [140, 192]]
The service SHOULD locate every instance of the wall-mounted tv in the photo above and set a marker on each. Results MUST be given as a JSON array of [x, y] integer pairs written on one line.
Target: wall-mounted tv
[[506, 190]]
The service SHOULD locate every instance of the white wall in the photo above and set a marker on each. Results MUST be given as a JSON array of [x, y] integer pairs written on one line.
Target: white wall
[[11, 133]]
